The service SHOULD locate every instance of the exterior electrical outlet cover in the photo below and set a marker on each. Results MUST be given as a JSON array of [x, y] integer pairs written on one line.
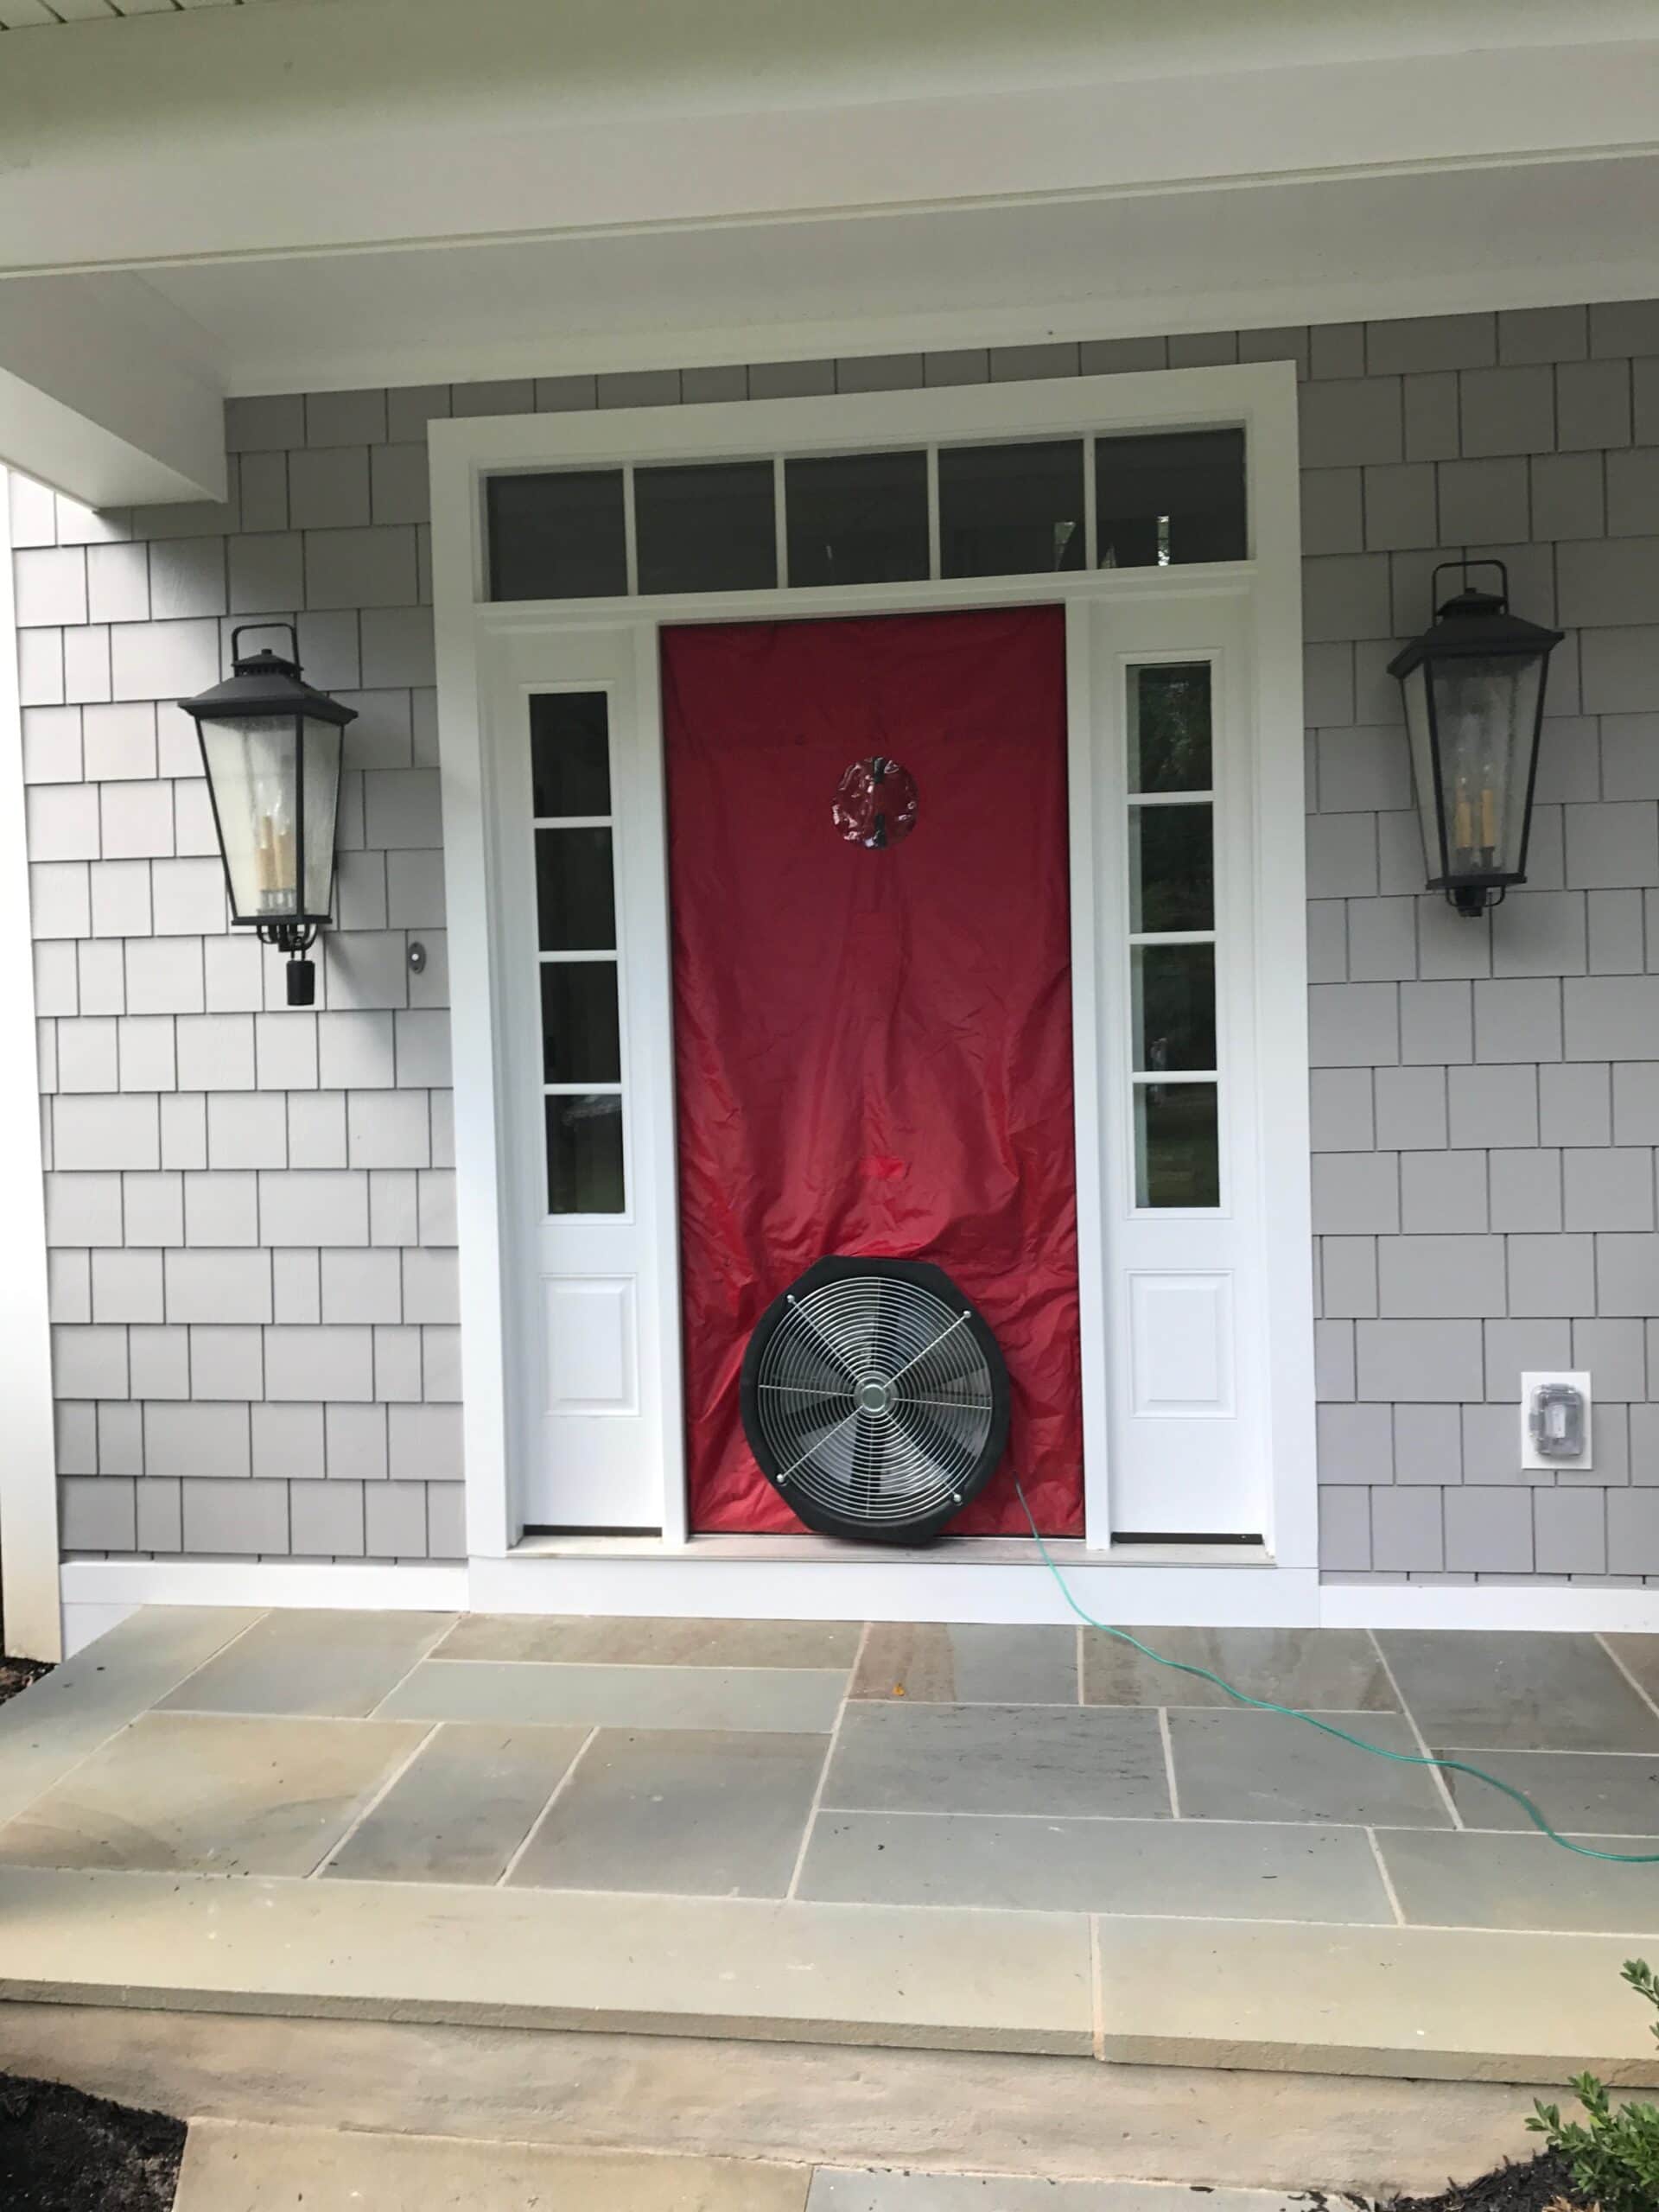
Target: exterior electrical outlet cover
[[1530, 1455]]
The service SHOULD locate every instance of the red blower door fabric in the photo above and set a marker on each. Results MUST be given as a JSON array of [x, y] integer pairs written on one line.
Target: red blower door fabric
[[873, 1042]]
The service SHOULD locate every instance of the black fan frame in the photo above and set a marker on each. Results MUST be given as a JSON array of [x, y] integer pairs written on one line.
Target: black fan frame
[[840, 1268]]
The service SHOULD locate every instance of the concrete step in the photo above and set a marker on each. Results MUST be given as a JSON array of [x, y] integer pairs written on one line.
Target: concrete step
[[803, 2104], [234, 2166], [238, 2166]]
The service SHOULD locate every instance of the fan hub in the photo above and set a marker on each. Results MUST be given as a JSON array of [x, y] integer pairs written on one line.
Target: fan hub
[[874, 1395]]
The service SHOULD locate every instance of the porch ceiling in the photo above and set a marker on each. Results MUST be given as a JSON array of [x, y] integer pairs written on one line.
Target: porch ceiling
[[220, 196], [1221, 258]]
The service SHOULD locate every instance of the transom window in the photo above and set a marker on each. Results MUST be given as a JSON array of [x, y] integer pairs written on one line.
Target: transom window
[[1026, 507]]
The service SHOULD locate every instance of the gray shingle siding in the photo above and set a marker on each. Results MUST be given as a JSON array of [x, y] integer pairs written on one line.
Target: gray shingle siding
[[251, 1210]]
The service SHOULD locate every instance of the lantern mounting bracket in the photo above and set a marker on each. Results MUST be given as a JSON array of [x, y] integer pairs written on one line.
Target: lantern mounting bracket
[[1469, 600]]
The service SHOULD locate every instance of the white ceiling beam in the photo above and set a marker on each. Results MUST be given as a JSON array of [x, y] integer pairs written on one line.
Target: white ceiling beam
[[350, 123], [97, 401]]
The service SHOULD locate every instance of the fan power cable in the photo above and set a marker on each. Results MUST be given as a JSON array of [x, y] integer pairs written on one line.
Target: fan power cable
[[1326, 1727]]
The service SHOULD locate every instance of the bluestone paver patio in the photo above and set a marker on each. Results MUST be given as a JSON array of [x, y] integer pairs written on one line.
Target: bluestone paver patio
[[959, 1835]]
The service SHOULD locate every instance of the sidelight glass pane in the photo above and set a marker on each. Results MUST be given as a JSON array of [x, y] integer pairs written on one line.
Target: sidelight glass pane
[[857, 519], [1173, 497], [707, 528], [581, 1038], [1169, 727], [1177, 1145], [1174, 995], [1014, 510], [584, 1153], [557, 535], [1172, 868], [575, 898], [570, 753]]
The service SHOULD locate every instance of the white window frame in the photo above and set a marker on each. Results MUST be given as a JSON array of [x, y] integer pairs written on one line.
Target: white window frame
[[738, 1575]]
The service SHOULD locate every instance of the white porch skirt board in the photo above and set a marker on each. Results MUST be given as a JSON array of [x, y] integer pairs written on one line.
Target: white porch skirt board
[[97, 1593]]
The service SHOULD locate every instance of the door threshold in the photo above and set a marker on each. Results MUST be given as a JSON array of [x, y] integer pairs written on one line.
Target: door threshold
[[1066, 1552]]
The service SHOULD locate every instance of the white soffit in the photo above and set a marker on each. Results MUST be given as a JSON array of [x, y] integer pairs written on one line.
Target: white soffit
[[305, 125], [1213, 260], [216, 196]]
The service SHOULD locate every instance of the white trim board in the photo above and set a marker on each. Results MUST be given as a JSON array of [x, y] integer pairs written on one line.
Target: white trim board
[[374, 1587], [28, 1467], [1567, 1607], [99, 1593], [469, 355], [477, 641]]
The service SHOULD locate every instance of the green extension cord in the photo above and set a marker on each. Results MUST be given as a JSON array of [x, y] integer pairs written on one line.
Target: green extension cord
[[1291, 1712]]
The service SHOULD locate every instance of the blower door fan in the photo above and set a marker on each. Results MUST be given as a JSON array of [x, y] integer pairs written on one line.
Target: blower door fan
[[876, 1399]]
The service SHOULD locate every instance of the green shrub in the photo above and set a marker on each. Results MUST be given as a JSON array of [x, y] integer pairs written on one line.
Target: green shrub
[[1613, 2155]]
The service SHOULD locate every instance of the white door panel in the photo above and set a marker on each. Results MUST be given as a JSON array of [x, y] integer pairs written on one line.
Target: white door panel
[[585, 1018], [1176, 1142]]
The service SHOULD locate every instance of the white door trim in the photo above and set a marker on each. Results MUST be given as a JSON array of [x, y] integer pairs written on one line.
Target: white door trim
[[1262, 398], [29, 1464]]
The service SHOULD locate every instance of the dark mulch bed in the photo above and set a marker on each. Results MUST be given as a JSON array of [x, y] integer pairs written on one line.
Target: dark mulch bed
[[17, 1674], [1528, 2187], [62, 2151]]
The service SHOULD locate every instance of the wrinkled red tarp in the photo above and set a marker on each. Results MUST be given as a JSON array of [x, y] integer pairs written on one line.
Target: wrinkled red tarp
[[873, 1048]]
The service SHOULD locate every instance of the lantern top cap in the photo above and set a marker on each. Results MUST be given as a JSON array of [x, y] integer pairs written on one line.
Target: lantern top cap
[[266, 683], [1473, 623]]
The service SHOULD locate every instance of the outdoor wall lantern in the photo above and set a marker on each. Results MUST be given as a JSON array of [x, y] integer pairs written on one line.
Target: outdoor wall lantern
[[1474, 693], [272, 747]]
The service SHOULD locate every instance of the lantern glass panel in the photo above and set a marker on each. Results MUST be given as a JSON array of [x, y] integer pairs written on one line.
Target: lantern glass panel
[[252, 768], [1485, 721], [251, 772], [1419, 731], [323, 742]]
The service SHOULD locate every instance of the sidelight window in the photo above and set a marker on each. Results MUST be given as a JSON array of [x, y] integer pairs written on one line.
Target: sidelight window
[[1171, 877], [575, 904]]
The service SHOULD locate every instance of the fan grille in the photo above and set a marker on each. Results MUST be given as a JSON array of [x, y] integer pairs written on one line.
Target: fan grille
[[873, 1400]]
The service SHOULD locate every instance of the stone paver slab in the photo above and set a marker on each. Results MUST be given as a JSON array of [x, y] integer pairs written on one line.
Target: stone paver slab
[[797, 1700], [839, 2189], [1503, 1690], [1521, 1881], [679, 1809], [464, 1806], [214, 1794], [232, 2166], [551, 1958], [1580, 1793], [1425, 2004], [1236, 1870], [1639, 1657], [68, 1712], [320, 1663], [1262, 1766], [602, 1640], [1330, 1670], [968, 1665], [997, 1758]]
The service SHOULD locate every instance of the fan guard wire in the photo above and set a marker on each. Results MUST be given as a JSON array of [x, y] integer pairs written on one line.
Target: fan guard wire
[[876, 1399]]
